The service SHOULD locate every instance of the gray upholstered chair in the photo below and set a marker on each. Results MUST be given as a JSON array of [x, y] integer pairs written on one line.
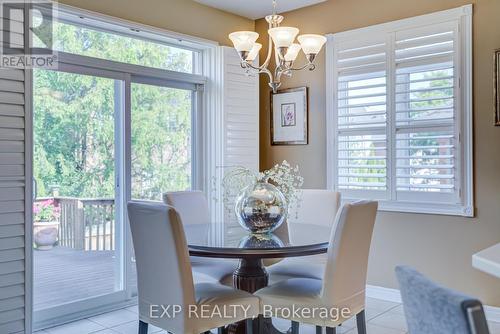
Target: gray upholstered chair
[[433, 309], [343, 283], [193, 209], [164, 277]]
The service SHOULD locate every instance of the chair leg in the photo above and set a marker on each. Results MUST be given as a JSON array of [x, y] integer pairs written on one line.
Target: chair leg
[[143, 327], [249, 326], [319, 329], [260, 324], [295, 327], [361, 322]]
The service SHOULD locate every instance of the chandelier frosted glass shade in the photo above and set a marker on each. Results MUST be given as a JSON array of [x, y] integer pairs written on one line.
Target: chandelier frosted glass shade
[[311, 44], [283, 37], [292, 52], [254, 52], [243, 41]]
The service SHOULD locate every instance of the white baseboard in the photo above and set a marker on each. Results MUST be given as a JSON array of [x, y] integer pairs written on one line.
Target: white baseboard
[[492, 313], [393, 295]]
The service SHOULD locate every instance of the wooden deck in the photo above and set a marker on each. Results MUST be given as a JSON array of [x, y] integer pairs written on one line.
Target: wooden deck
[[63, 275]]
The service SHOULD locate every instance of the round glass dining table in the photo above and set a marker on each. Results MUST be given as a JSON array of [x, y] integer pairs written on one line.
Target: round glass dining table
[[289, 240]]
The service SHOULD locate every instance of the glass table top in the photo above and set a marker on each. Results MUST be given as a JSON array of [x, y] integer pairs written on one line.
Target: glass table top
[[292, 239]]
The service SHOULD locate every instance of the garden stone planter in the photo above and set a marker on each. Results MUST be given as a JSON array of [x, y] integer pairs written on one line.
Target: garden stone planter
[[45, 234]]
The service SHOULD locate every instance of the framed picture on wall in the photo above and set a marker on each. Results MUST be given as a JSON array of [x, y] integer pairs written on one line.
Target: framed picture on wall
[[289, 117], [496, 87]]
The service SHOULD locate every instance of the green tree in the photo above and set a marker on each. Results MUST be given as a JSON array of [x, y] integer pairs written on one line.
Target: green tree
[[74, 121]]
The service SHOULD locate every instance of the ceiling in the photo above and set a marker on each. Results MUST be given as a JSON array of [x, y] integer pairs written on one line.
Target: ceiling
[[256, 9]]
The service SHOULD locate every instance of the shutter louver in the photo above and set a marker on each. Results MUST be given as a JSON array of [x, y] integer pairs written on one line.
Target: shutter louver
[[426, 111], [13, 105], [362, 116], [241, 121]]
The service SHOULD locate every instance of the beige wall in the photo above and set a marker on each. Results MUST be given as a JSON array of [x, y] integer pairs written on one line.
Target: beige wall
[[183, 16], [439, 246]]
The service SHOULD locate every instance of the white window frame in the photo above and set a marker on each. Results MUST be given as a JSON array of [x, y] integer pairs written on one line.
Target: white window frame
[[464, 124]]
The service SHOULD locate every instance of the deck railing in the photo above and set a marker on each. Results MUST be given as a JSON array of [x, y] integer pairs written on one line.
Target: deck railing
[[86, 223]]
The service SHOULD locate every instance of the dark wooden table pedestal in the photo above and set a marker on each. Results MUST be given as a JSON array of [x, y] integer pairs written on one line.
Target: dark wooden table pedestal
[[250, 276]]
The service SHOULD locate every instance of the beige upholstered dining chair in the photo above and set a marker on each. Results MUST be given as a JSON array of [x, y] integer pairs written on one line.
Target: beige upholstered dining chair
[[344, 279], [319, 207], [164, 277], [192, 207]]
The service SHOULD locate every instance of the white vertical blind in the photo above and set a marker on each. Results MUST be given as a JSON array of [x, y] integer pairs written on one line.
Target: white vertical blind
[[400, 118]]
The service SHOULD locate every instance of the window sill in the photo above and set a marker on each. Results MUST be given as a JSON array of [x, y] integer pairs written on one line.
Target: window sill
[[424, 208]]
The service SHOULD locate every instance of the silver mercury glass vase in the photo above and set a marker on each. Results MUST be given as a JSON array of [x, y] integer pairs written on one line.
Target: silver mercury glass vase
[[261, 208]]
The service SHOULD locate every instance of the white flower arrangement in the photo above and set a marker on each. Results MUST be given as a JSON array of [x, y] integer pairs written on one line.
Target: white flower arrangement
[[283, 176]]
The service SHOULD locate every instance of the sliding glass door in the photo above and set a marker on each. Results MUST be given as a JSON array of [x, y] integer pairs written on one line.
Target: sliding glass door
[[78, 229], [101, 138]]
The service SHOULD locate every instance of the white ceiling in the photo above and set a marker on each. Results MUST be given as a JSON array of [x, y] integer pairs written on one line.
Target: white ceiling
[[256, 9]]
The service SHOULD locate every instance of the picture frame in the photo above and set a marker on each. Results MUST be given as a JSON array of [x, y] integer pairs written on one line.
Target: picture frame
[[496, 86], [290, 117]]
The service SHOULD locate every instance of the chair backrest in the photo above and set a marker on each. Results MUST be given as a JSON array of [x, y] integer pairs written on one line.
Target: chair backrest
[[317, 206], [344, 280], [164, 274], [192, 206], [433, 309]]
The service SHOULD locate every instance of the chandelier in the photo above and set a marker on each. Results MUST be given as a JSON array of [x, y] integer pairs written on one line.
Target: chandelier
[[281, 39]]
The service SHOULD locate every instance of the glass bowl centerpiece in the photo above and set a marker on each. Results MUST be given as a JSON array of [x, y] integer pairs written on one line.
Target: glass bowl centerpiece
[[262, 199], [261, 208]]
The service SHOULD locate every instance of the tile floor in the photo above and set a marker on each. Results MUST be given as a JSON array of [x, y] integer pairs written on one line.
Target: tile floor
[[383, 318]]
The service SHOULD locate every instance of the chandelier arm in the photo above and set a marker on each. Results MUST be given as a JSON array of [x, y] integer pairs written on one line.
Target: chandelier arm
[[246, 64], [269, 74], [279, 72], [269, 52], [310, 66], [259, 70]]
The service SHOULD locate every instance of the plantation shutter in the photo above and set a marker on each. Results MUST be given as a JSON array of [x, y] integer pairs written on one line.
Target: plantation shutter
[[14, 111], [240, 120], [361, 107], [400, 113], [426, 87]]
